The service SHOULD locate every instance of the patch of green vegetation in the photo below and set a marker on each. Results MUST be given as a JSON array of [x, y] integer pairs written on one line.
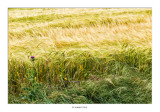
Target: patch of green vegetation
[[21, 8], [129, 70], [148, 12], [120, 90]]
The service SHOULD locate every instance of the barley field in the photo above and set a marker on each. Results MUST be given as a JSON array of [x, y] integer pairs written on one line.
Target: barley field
[[80, 55]]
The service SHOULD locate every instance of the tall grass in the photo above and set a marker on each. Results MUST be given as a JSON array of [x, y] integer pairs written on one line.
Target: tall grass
[[81, 55]]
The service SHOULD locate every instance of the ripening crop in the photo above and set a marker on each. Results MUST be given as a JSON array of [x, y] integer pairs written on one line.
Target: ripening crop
[[80, 55]]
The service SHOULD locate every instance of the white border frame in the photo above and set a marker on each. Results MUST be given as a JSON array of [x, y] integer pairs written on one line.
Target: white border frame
[[90, 107]]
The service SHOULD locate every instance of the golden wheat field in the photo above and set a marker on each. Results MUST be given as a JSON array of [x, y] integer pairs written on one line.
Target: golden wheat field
[[81, 55]]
